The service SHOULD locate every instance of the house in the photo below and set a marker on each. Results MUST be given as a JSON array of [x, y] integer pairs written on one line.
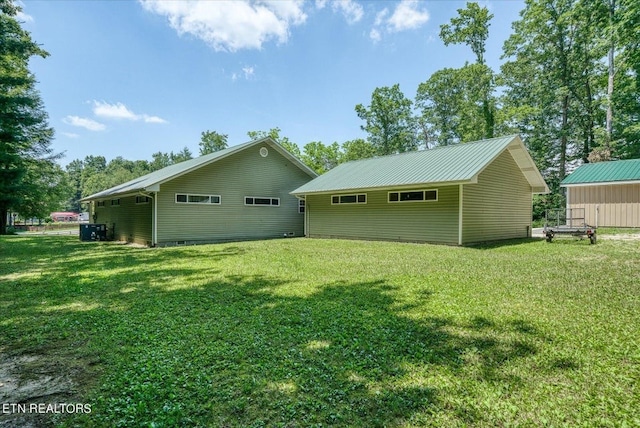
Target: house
[[459, 194], [242, 192], [608, 192]]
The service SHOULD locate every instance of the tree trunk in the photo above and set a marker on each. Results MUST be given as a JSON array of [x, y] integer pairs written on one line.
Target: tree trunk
[[3, 221], [612, 46]]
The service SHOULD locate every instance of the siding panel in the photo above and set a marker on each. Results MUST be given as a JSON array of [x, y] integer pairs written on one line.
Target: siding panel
[[434, 221], [499, 206], [129, 221], [242, 174], [617, 205]]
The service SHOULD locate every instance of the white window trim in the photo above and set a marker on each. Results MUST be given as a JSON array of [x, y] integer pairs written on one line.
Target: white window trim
[[349, 203], [111, 204], [302, 204], [175, 199], [409, 191], [104, 204], [260, 205], [144, 202]]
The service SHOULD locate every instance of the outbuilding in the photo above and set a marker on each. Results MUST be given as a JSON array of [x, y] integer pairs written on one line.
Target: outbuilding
[[239, 193], [608, 193], [460, 194]]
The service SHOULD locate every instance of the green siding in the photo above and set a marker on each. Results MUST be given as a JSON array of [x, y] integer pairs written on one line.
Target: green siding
[[378, 219], [499, 206], [245, 173], [129, 221]]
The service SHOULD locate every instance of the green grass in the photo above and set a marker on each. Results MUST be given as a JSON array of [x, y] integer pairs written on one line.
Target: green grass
[[301, 332]]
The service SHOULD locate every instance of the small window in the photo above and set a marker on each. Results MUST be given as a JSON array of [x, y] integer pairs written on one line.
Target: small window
[[414, 196], [261, 201], [301, 206], [142, 199], [182, 198], [115, 202], [349, 199], [100, 204]]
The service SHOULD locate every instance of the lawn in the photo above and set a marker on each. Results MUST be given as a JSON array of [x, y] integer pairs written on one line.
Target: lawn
[[301, 332]]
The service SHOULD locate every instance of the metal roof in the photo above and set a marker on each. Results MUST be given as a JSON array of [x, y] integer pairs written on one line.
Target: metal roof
[[152, 181], [604, 172], [460, 163]]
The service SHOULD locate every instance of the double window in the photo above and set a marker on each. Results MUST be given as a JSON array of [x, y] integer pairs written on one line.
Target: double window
[[301, 206], [142, 199], [115, 202], [190, 198], [414, 196], [262, 201], [100, 204], [360, 198]]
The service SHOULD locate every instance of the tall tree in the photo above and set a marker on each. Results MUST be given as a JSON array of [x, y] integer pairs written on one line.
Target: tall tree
[[25, 135], [212, 141], [389, 121], [357, 149], [471, 27]]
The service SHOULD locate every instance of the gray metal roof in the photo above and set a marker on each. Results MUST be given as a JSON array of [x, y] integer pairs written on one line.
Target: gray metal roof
[[151, 181], [460, 163]]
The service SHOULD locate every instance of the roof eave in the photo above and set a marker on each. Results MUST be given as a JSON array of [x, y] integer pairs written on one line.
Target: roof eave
[[472, 180], [600, 183]]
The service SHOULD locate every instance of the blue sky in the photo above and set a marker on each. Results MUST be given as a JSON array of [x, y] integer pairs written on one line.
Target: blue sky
[[129, 78]]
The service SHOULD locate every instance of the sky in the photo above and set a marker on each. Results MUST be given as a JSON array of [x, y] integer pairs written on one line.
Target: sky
[[130, 78]]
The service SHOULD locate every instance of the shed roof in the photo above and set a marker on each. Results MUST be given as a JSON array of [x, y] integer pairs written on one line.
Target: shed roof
[[460, 163], [151, 182], [604, 172]]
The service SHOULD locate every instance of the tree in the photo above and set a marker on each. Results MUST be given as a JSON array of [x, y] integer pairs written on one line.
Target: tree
[[471, 27], [25, 135], [321, 158], [274, 133], [389, 121], [357, 149], [211, 141], [183, 155]]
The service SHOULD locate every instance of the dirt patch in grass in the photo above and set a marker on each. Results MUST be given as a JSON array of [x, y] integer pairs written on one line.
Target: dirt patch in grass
[[47, 381]]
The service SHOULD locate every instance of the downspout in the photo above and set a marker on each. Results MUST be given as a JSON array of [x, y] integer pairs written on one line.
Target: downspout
[[460, 214], [306, 217], [154, 237]]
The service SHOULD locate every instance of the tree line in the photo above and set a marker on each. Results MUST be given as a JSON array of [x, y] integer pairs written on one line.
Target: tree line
[[569, 85]]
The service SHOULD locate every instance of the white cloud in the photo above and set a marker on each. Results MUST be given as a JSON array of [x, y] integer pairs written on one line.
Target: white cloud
[[407, 16], [320, 4], [121, 111], [375, 35], [351, 10], [83, 122], [70, 135], [113, 111], [247, 73], [231, 25]]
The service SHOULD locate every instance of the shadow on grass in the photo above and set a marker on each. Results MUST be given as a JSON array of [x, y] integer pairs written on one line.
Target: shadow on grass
[[246, 350]]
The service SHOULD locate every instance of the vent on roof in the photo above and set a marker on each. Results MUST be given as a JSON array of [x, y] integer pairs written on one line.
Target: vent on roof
[[264, 152]]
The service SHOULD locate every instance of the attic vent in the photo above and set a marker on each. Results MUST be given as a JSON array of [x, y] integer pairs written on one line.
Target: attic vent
[[264, 152]]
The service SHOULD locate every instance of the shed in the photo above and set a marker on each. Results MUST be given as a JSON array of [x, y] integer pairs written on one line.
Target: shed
[[239, 193], [608, 192], [460, 194]]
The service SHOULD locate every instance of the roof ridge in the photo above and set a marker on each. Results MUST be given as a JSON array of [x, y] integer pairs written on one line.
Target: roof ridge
[[449, 146]]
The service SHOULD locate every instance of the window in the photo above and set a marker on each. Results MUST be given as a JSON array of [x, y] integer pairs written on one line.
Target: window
[[185, 198], [414, 196], [349, 199], [100, 204], [301, 206], [142, 199], [261, 201], [115, 202]]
